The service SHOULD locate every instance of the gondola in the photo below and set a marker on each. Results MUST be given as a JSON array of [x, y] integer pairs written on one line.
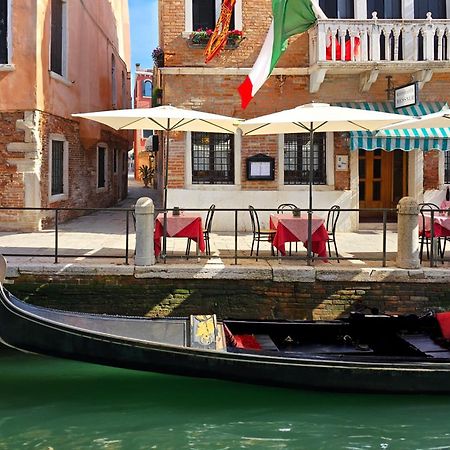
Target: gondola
[[360, 353]]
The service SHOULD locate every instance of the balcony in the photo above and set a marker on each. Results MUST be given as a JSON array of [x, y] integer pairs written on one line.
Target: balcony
[[417, 47]]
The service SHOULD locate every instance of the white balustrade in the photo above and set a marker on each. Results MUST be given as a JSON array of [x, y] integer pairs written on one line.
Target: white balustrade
[[375, 40]]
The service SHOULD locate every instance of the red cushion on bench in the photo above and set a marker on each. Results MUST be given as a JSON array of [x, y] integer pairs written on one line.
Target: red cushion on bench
[[247, 341], [444, 323]]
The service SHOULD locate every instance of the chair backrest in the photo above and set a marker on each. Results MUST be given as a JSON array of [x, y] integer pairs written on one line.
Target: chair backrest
[[254, 218], [332, 218], [286, 206], [427, 207], [209, 217]]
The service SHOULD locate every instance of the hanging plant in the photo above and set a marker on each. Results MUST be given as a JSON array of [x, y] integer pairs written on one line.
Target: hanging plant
[[158, 57]]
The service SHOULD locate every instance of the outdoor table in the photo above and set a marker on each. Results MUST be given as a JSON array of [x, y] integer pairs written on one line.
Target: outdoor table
[[441, 224], [183, 225], [290, 228]]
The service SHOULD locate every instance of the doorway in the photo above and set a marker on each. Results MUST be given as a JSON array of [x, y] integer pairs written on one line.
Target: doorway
[[383, 181]]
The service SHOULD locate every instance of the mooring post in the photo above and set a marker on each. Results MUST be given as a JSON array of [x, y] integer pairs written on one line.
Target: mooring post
[[145, 253], [408, 234]]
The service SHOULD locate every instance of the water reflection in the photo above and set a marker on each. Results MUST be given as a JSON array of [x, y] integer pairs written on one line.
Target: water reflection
[[49, 403]]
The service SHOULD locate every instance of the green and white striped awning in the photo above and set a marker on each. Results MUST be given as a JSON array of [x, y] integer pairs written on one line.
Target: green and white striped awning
[[416, 139]]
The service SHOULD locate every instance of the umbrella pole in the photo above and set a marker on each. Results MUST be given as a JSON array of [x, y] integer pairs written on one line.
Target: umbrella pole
[[166, 176], [311, 181]]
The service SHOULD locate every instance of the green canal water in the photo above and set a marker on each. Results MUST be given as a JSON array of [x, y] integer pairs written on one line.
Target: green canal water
[[55, 404]]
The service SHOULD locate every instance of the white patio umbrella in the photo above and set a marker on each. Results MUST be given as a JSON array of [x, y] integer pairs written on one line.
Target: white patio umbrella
[[164, 118], [320, 117], [440, 119]]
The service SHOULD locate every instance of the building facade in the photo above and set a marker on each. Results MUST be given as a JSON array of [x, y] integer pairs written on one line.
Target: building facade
[[144, 143], [73, 57], [357, 57]]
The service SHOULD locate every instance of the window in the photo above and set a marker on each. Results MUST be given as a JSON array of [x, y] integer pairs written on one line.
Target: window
[[436, 7], [101, 167], [4, 31], [447, 167], [124, 90], [339, 9], [147, 88], [113, 82], [386, 9], [204, 14], [147, 133], [58, 38], [296, 158], [58, 167], [212, 158], [115, 160]]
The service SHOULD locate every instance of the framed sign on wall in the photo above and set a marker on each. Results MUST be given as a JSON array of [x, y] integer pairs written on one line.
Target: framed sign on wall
[[260, 167]]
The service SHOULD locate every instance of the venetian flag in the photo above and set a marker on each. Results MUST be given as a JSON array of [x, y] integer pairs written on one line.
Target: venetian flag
[[290, 17]]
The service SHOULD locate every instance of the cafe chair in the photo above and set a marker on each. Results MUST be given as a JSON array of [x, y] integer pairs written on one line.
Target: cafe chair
[[206, 231], [425, 236], [332, 218], [282, 208], [259, 234]]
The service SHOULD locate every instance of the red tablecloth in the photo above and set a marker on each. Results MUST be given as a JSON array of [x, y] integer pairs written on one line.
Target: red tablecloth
[[441, 225], [295, 229], [184, 225]]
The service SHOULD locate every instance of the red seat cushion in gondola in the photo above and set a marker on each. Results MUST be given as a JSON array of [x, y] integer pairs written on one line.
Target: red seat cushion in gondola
[[444, 323], [247, 341]]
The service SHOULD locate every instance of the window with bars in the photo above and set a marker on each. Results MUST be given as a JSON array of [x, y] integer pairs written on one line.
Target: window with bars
[[57, 175], [57, 37], [101, 167], [447, 167], [212, 158], [297, 158], [3, 31]]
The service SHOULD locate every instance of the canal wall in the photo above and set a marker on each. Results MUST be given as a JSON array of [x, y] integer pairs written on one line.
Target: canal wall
[[231, 292]]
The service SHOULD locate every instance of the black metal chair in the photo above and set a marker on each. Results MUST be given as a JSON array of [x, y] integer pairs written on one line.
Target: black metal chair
[[206, 231], [282, 208], [258, 234], [332, 218], [424, 235]]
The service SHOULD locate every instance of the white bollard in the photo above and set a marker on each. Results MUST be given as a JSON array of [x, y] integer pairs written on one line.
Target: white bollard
[[408, 234], [145, 212]]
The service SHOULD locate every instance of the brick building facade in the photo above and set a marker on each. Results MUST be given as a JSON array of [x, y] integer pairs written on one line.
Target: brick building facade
[[48, 158], [398, 45]]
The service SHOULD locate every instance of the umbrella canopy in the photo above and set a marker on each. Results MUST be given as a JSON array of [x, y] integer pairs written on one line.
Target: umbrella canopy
[[440, 119], [319, 117], [163, 118]]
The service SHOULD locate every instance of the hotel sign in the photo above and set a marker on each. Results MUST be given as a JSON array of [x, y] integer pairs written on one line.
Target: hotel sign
[[405, 95]]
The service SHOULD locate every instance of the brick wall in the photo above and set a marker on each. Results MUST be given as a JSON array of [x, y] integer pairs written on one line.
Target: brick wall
[[240, 299]]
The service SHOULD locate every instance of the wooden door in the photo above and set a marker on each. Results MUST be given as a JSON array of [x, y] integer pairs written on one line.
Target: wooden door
[[383, 180]]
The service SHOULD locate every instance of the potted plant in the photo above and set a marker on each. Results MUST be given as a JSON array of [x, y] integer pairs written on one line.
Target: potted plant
[[146, 174], [201, 37], [234, 37], [158, 57]]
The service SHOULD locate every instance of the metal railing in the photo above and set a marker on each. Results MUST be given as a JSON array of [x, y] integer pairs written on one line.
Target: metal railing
[[236, 255]]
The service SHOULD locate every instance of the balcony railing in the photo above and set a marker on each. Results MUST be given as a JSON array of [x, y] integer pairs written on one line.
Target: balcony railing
[[378, 40]]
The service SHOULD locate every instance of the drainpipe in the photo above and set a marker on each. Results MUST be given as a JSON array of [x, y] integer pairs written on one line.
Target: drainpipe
[[145, 212], [408, 234]]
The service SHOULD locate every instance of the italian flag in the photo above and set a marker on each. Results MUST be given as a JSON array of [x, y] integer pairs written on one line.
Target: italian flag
[[290, 17]]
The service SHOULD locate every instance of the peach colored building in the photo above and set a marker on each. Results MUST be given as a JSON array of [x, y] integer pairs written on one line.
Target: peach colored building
[[143, 139], [404, 42], [73, 57]]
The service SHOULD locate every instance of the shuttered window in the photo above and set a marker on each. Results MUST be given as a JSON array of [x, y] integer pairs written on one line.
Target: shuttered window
[[101, 167], [56, 57], [386, 9], [297, 158], [437, 8], [3, 31], [212, 158], [57, 167]]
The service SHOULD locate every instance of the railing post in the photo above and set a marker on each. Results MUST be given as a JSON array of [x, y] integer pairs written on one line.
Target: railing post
[[145, 252], [375, 39], [408, 234]]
